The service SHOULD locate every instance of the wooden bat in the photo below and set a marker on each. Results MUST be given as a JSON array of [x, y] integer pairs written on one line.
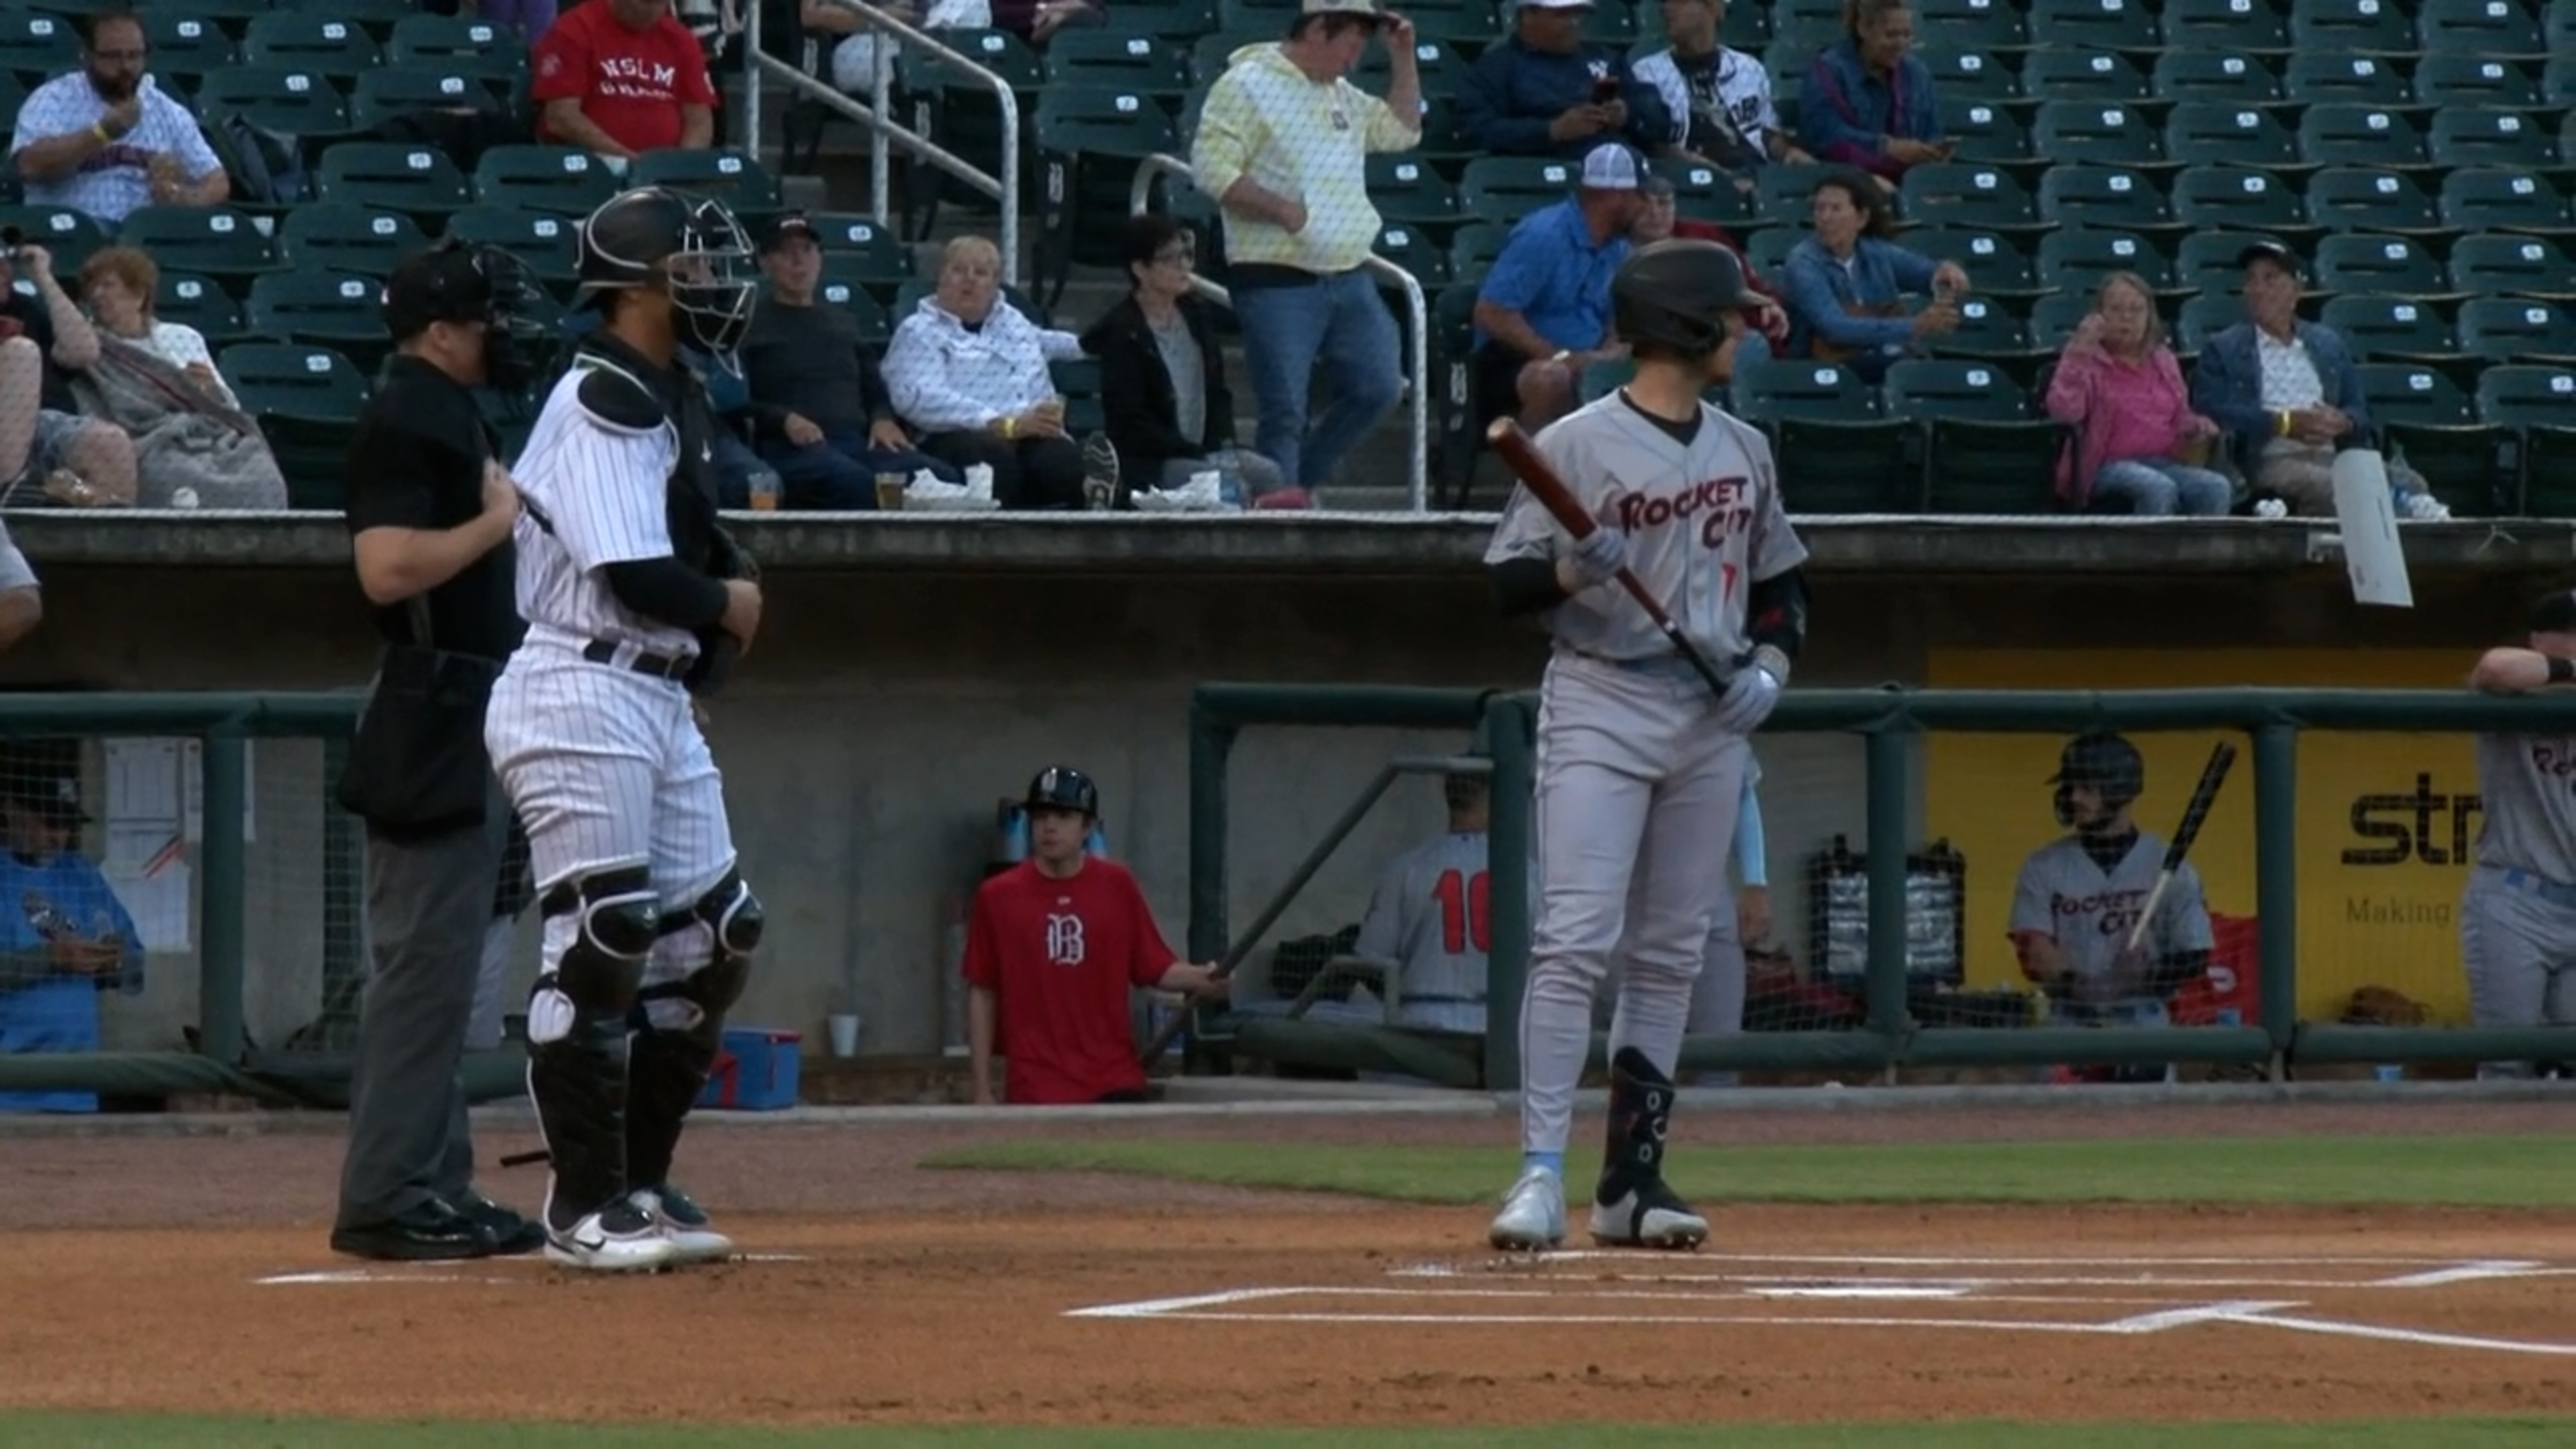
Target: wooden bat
[[2212, 775], [1517, 452]]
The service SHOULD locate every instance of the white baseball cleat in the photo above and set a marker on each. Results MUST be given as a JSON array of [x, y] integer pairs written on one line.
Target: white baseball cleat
[[1652, 1216], [1533, 1215], [619, 1238], [683, 1222]]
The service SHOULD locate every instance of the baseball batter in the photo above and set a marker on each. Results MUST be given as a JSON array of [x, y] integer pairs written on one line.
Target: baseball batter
[[2518, 911], [2079, 895], [1640, 767], [634, 599]]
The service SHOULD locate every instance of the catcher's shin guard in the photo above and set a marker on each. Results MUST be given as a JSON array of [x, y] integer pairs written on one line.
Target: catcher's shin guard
[[1633, 1206], [669, 1064], [577, 1059]]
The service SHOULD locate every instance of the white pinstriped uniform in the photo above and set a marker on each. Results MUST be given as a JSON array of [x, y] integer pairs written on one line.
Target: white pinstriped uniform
[[605, 765]]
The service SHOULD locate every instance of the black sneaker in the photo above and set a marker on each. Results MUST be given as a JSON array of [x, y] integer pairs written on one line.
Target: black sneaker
[[430, 1232], [1099, 473], [512, 1234]]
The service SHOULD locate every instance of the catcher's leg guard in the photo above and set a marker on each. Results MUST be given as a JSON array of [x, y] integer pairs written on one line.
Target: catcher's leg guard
[[680, 1023], [577, 1024], [1632, 1206]]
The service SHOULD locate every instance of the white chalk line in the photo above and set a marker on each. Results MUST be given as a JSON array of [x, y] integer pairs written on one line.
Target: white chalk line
[[472, 1270]]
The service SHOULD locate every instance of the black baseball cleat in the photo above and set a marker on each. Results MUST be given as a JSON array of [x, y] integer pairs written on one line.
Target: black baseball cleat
[[430, 1232], [1633, 1208], [512, 1234]]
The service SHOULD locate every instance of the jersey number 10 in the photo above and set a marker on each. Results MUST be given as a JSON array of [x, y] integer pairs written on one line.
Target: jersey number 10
[[1464, 918]]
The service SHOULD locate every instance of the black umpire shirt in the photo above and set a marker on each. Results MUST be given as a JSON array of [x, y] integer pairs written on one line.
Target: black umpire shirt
[[417, 462]]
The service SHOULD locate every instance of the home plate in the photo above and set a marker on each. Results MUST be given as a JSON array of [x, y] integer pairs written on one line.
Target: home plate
[[1859, 1290]]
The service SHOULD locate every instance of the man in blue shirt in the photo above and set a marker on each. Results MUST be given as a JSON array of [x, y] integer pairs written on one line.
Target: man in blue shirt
[[1543, 313], [64, 936]]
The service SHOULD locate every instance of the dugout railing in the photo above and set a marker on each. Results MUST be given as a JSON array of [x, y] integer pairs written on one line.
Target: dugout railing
[[1888, 722]]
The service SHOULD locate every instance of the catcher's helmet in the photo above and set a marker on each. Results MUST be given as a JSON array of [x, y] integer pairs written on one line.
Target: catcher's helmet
[[655, 232], [1061, 787], [2108, 763], [1676, 294]]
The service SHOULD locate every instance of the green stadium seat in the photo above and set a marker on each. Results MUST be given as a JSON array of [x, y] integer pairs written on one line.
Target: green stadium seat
[[1473, 250], [2205, 261], [2079, 77], [187, 44], [2119, 197], [2338, 134], [2334, 77], [2479, 27], [199, 302], [340, 236], [68, 236], [38, 44], [2229, 77], [2517, 329], [1985, 450], [2236, 25], [1986, 25], [395, 176], [341, 311], [306, 401], [2426, 421], [2364, 27], [211, 241], [1408, 190], [744, 185], [1989, 331], [2498, 264], [328, 45], [2233, 198], [1954, 194], [2474, 80], [2220, 133], [876, 325], [2200, 318], [559, 179], [2384, 328], [2465, 135], [453, 43], [1838, 451], [1989, 135], [2128, 25], [2498, 198], [296, 100], [1091, 140], [2537, 405], [2076, 259], [1507, 188], [858, 248], [1995, 264], [549, 246], [2359, 262], [2362, 198], [1116, 58], [1963, 74]]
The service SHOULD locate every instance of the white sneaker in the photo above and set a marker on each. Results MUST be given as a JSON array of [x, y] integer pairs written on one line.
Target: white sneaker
[[2426, 507], [619, 1238], [682, 1221], [1099, 473], [1533, 1215], [1649, 1217]]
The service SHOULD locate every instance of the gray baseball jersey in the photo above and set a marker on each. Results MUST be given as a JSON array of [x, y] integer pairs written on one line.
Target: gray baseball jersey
[[2089, 912], [2527, 788], [1703, 526], [1429, 914]]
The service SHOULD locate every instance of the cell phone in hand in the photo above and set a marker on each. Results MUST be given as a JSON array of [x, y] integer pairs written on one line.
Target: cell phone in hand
[[1605, 89]]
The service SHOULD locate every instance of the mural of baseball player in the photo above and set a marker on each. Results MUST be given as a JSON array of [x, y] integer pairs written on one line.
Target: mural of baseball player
[[2518, 911], [2080, 897]]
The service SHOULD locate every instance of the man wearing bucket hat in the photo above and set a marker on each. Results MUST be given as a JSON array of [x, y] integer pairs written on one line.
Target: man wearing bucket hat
[[1543, 311], [64, 937]]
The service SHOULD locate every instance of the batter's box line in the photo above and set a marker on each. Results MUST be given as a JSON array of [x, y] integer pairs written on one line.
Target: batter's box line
[[1538, 1272]]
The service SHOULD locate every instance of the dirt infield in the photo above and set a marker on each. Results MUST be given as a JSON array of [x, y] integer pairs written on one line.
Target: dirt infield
[[190, 1274]]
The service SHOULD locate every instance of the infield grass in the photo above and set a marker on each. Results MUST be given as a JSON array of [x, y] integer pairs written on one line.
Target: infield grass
[[99, 1431], [2495, 1171]]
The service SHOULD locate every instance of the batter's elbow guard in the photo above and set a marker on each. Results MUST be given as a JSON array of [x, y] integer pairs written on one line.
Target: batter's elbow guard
[[1778, 610]]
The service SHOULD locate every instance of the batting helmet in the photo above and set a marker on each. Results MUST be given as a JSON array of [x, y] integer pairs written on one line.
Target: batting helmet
[[655, 233], [2108, 763], [1677, 294], [1061, 787]]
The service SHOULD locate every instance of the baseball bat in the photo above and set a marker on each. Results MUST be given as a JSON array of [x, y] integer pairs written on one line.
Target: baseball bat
[[1517, 452], [2214, 774]]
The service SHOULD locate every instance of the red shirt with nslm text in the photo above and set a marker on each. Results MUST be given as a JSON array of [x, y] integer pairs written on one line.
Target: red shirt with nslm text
[[631, 83], [1059, 957]]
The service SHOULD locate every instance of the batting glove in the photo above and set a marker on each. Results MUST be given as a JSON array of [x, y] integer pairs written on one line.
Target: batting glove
[[1752, 693], [1596, 558]]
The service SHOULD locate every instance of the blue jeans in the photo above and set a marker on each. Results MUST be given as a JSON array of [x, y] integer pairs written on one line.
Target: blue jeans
[[1339, 322], [839, 474], [2159, 487]]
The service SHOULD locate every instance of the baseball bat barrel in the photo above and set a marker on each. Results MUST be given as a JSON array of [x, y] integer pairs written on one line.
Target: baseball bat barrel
[[2222, 758], [1520, 455]]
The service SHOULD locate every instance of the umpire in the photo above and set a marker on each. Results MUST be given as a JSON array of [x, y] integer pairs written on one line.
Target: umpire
[[430, 511]]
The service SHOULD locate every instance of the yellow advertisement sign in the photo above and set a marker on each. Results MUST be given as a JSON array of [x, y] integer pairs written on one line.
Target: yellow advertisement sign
[[2386, 822]]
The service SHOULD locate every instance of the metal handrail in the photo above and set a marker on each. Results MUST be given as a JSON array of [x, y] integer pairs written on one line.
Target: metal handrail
[[1004, 189], [1140, 195]]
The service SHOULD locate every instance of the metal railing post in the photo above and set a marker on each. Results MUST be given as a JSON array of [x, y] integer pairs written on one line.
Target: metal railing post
[[2276, 882], [222, 881], [751, 38], [1211, 743], [1886, 781], [1511, 826]]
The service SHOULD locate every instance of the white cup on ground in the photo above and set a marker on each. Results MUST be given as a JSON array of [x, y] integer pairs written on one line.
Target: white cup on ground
[[845, 1034]]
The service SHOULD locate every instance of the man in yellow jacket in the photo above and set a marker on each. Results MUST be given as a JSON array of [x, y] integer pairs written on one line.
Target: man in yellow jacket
[[1283, 146]]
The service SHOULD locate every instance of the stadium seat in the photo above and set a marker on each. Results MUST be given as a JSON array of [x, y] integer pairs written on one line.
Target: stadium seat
[[2106, 196], [1507, 188], [2497, 198], [856, 247], [2496, 264], [382, 95], [186, 44], [1167, 20], [1985, 25], [744, 185], [1116, 58], [2082, 77], [559, 179], [2205, 261], [341, 311], [548, 245], [2237, 25], [2360, 198], [1995, 265], [338, 48], [38, 44], [67, 236], [211, 241], [1418, 253], [1838, 451], [2217, 133], [2425, 420], [378, 16], [1784, 195], [1473, 249], [1768, 249], [2517, 329], [2479, 27], [1748, 27], [2099, 24], [2203, 317], [1962, 74], [2467, 135], [1704, 193], [1438, 65], [1979, 198], [2226, 76], [456, 43], [1407, 190], [1988, 134], [2537, 406], [1985, 450], [1091, 140], [1989, 331], [2233, 198], [2558, 80], [340, 236], [199, 302], [876, 325], [2054, 318], [2332, 77], [2076, 259], [2474, 80], [2355, 262], [2366, 27], [306, 400], [1442, 143], [2337, 134], [394, 176], [967, 115], [291, 99], [1453, 406], [2390, 329]]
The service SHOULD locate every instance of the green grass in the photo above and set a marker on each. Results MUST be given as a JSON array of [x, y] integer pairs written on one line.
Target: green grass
[[2521, 1171], [134, 1431]]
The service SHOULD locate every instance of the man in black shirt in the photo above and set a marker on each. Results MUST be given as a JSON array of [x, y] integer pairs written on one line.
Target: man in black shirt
[[819, 409], [430, 512]]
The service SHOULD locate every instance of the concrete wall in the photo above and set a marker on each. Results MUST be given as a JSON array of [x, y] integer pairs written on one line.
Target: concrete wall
[[910, 678]]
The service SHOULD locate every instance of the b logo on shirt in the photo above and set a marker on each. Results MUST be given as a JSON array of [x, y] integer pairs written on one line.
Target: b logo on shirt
[[1064, 940]]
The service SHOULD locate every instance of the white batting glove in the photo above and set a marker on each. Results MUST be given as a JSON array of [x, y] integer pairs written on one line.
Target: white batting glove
[[1752, 693], [1596, 558]]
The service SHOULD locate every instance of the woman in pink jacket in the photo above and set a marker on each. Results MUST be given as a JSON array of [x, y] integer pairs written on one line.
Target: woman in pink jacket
[[2120, 387]]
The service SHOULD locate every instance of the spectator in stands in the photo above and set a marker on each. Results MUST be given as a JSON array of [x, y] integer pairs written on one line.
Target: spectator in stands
[[969, 370], [68, 938], [1544, 92], [22, 601], [1847, 281], [854, 56], [2119, 386], [1282, 145], [1543, 312], [1868, 101], [1717, 98], [189, 438], [622, 77], [1162, 376], [2287, 393], [105, 140], [1766, 327], [44, 441], [1037, 21], [819, 407]]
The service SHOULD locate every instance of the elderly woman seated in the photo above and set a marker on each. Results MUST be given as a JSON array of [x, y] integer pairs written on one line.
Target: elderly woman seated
[[969, 372], [1845, 284], [193, 445]]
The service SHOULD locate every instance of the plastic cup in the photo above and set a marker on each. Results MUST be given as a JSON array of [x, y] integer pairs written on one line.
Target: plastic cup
[[890, 488], [845, 1034]]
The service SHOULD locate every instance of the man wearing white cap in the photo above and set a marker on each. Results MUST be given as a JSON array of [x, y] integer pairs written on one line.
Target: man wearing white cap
[[1543, 311], [1544, 92], [1283, 145]]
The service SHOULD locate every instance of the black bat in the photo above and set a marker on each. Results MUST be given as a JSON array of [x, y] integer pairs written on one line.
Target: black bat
[[2213, 775]]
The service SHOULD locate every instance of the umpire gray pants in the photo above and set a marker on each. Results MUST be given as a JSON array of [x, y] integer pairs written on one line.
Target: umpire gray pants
[[429, 903]]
